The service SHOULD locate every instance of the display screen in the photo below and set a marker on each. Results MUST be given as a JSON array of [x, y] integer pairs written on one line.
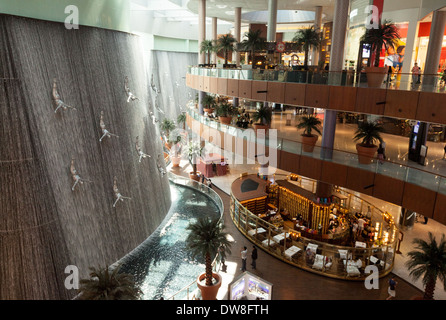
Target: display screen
[[416, 127], [366, 50], [250, 287]]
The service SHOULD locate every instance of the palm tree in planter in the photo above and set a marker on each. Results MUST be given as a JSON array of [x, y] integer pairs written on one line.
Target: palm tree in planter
[[368, 133], [262, 117], [306, 39], [166, 127], [104, 284], [194, 151], [181, 120], [226, 43], [253, 42], [224, 112], [309, 124], [429, 263], [385, 35], [207, 46], [208, 103], [205, 239], [176, 141]]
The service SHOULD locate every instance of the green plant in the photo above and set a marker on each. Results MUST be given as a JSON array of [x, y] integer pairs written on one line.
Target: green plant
[[225, 109], [166, 126], [369, 132], [429, 263], [253, 43], [208, 101], [309, 123], [263, 115], [385, 35], [226, 43], [205, 238], [194, 151], [207, 46], [181, 119], [104, 284], [306, 39]]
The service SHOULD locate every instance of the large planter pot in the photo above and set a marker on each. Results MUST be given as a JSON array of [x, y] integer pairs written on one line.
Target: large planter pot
[[366, 154], [209, 292], [225, 120], [175, 161], [376, 76], [258, 126], [308, 143], [195, 176]]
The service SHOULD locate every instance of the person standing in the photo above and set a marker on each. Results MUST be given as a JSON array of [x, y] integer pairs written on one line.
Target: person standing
[[244, 256], [254, 257], [392, 288], [416, 71]]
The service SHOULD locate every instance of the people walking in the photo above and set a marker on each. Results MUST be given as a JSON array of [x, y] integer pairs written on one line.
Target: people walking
[[416, 72], [254, 257], [391, 290], [244, 256]]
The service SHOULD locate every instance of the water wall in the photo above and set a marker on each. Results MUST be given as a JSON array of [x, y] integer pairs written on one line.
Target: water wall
[[44, 224], [169, 78]]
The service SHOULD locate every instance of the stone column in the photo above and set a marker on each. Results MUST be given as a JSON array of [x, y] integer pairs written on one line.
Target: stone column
[[237, 33], [272, 20], [214, 38], [336, 65], [201, 37], [434, 50], [317, 27]]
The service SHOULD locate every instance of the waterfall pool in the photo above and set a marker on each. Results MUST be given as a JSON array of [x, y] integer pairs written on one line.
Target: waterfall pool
[[162, 265]]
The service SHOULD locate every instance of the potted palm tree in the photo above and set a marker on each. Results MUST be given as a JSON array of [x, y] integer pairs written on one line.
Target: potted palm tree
[[224, 112], [226, 43], [252, 43], [104, 284], [194, 151], [208, 103], [181, 120], [368, 133], [429, 263], [206, 238], [166, 127], [207, 46], [385, 35], [262, 117], [309, 124], [176, 139], [306, 39]]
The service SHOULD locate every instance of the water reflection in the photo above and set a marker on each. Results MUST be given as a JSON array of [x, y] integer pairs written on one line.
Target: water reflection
[[162, 265]]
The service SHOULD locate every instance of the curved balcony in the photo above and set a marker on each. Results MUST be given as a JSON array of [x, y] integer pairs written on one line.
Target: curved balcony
[[412, 188], [343, 91]]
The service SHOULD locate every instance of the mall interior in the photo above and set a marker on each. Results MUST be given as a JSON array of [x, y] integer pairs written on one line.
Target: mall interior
[[123, 122]]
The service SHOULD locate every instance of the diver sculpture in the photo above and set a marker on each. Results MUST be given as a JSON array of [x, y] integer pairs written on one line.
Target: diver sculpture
[[57, 101], [118, 195], [130, 95], [105, 132], [141, 154], [160, 167], [76, 178]]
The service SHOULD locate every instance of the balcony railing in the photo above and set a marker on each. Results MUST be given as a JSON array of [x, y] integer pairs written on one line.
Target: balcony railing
[[347, 78], [397, 170]]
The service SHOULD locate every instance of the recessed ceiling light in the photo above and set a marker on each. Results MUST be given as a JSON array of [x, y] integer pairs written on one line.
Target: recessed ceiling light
[[221, 6], [230, 13]]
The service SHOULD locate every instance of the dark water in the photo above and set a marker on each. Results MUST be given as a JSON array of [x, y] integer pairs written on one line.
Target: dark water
[[162, 265]]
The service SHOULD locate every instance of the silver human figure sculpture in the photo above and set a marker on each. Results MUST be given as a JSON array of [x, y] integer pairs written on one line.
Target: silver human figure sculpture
[[154, 88], [154, 119], [105, 132], [118, 195], [160, 167], [77, 179], [130, 95], [141, 154], [57, 101]]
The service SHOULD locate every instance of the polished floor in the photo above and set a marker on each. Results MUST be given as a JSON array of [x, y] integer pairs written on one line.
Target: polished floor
[[291, 283]]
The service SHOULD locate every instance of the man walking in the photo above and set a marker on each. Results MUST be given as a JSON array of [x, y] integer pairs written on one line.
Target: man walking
[[254, 257], [244, 256]]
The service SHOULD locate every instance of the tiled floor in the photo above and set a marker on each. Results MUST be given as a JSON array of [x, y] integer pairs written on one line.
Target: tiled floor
[[291, 283]]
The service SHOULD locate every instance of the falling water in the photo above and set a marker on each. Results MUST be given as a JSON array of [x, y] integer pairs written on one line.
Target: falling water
[[44, 225]]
